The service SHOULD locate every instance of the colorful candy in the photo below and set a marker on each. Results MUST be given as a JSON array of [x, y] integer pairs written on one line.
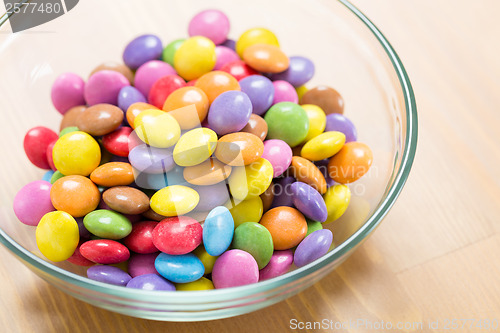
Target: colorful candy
[[141, 50], [57, 236], [260, 90], [126, 200], [286, 225], [149, 73], [67, 92], [255, 36], [76, 153], [100, 119], [36, 142], [309, 201], [212, 24], [250, 181], [179, 268], [32, 202], [337, 200], [313, 247], [157, 128], [327, 98], [113, 174], [104, 251], [195, 146], [177, 104], [218, 231], [177, 235], [255, 239], [140, 239], [174, 200], [287, 121], [151, 282], [108, 274], [195, 57], [237, 149], [107, 224], [235, 268], [266, 58], [350, 163], [104, 87], [279, 153], [229, 112], [323, 146], [76, 195], [278, 265]]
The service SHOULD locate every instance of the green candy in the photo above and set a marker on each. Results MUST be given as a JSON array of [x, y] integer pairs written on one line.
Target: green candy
[[68, 130], [57, 175], [107, 224], [287, 121], [255, 239], [312, 226], [170, 49]]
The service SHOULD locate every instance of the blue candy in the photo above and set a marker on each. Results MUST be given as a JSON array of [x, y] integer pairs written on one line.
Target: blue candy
[[48, 175], [218, 231], [179, 268]]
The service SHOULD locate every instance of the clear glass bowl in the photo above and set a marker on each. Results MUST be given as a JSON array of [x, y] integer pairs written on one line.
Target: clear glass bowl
[[350, 54]]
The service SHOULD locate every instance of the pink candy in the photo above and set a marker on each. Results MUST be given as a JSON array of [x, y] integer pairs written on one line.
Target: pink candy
[[235, 268], [32, 202], [212, 24], [142, 264], [280, 155], [278, 265], [284, 92], [224, 55], [67, 92], [149, 73], [104, 86]]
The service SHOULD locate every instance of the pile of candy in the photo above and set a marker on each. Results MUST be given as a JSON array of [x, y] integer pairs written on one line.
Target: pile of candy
[[194, 172]]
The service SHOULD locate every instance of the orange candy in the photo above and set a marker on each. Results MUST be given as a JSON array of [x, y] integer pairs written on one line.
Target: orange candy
[[287, 226], [180, 105], [113, 174], [238, 149], [305, 171], [207, 173], [266, 58], [350, 163], [217, 82], [75, 195], [135, 109]]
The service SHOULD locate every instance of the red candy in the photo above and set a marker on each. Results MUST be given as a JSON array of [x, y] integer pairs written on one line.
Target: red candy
[[239, 69], [140, 240], [164, 87], [177, 235], [50, 159], [104, 251], [191, 83], [78, 259], [36, 142], [117, 142]]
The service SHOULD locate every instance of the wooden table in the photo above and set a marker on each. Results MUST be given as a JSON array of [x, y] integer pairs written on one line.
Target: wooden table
[[435, 257]]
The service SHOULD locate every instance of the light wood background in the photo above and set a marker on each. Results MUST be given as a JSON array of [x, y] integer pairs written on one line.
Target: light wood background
[[434, 257]]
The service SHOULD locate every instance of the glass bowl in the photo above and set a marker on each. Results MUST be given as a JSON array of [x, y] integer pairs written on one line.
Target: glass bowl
[[350, 54]]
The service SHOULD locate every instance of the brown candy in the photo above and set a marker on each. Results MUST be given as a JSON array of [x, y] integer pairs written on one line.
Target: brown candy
[[328, 99], [209, 172], [267, 197], [266, 58], [257, 126], [113, 174], [305, 171], [100, 119], [153, 216], [117, 67], [69, 118], [126, 200], [238, 149]]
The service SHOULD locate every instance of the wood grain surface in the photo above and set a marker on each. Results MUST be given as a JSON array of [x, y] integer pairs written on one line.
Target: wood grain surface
[[435, 256]]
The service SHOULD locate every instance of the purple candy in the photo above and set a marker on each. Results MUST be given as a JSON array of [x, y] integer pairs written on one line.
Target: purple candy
[[278, 265], [108, 274], [309, 201], [142, 264], [231, 43], [300, 71], [279, 153], [313, 247], [104, 86], [151, 159], [128, 96], [211, 196], [151, 282], [67, 92], [340, 123], [229, 112], [282, 192], [284, 92], [84, 233], [224, 55], [32, 202], [141, 50], [149, 73], [260, 90], [212, 24], [323, 167]]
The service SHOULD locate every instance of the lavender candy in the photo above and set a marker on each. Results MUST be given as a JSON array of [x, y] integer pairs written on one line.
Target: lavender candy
[[313, 247], [129, 95], [108, 274], [309, 201], [141, 50], [299, 72], [229, 112], [260, 90], [151, 282], [340, 123]]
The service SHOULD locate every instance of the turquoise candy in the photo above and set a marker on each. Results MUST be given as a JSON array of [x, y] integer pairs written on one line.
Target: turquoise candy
[[218, 231], [255, 239], [287, 121], [179, 268], [107, 224]]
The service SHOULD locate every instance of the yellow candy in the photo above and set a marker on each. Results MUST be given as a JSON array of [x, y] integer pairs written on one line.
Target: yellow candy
[[76, 153], [206, 259], [255, 36], [250, 181], [301, 91], [57, 235], [337, 200], [202, 284], [250, 210], [317, 120], [323, 146], [157, 128], [195, 146], [195, 57], [174, 200]]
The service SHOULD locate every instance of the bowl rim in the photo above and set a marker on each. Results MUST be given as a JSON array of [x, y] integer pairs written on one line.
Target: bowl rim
[[337, 253]]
